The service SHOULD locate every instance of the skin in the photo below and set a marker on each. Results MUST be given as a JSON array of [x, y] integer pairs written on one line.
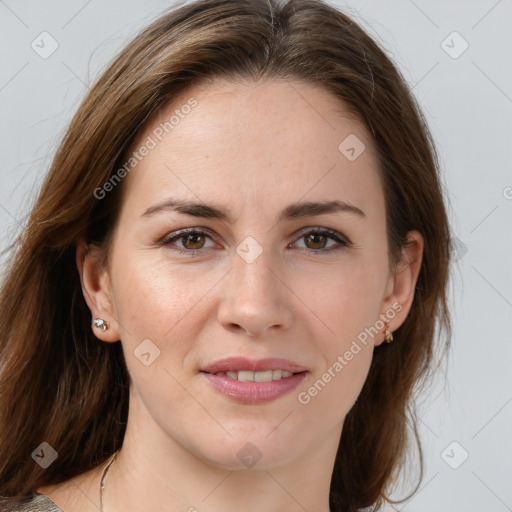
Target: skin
[[254, 148]]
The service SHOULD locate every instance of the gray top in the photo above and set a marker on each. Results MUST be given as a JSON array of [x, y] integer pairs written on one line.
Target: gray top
[[34, 503]]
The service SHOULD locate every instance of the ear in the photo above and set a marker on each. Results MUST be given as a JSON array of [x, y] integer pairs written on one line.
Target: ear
[[96, 288], [401, 284]]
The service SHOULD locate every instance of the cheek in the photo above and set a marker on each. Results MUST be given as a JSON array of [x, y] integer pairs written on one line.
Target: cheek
[[347, 307], [155, 308], [153, 296], [158, 307], [331, 392], [344, 299]]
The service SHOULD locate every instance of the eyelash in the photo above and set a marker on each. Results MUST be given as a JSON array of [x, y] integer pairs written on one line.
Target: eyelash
[[182, 234]]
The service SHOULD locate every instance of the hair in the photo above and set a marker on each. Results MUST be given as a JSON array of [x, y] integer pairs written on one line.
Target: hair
[[60, 384]]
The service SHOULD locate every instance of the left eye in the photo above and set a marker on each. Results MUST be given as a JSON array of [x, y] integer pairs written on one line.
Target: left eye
[[193, 240], [319, 236]]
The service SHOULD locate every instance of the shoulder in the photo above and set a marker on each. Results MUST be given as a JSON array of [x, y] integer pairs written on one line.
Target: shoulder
[[33, 503]]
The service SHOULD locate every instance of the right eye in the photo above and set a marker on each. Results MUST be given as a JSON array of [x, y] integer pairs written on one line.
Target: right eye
[[191, 238]]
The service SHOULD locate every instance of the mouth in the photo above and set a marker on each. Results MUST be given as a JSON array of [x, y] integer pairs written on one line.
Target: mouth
[[254, 381], [264, 376], [244, 364]]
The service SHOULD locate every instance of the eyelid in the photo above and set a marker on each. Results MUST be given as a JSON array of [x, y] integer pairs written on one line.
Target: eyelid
[[330, 233], [340, 237], [182, 233]]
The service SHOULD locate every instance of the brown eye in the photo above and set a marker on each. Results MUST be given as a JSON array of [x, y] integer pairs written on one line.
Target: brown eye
[[193, 241], [189, 241], [316, 240]]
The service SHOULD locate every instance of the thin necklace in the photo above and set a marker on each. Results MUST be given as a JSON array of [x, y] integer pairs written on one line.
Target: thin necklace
[[104, 480]]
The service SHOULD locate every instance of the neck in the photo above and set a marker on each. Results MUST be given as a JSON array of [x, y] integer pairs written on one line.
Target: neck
[[154, 471]]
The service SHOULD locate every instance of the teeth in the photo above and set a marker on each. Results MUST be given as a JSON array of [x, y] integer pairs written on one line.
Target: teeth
[[248, 376], [265, 376]]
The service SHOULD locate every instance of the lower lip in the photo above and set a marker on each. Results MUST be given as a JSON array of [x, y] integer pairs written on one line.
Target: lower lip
[[254, 392]]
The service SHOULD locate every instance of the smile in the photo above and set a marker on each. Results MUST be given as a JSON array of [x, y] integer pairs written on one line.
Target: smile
[[251, 390], [248, 376]]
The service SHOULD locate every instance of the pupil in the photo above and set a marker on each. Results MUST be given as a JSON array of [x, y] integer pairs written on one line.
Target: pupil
[[317, 235], [317, 240], [191, 237]]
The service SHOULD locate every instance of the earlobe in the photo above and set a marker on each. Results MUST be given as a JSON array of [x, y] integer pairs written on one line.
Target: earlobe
[[96, 290], [397, 304]]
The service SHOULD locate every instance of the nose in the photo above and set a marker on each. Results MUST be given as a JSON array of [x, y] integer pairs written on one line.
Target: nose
[[256, 297]]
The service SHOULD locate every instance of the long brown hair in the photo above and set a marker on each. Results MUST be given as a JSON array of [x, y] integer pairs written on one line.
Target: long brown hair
[[59, 384]]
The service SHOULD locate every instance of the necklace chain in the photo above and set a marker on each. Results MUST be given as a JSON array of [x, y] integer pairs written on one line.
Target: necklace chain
[[104, 480]]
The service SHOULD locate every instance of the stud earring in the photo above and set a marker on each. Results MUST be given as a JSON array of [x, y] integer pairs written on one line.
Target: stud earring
[[389, 334], [100, 324]]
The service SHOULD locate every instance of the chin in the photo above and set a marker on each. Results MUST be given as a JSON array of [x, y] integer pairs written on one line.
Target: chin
[[257, 450]]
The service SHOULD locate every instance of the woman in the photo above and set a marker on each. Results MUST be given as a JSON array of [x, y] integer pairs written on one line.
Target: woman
[[229, 286]]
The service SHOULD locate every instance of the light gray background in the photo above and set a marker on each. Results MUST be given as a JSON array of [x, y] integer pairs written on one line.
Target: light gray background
[[468, 103]]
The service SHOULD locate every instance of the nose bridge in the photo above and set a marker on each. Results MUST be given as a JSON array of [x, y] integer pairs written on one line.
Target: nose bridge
[[253, 273], [256, 299]]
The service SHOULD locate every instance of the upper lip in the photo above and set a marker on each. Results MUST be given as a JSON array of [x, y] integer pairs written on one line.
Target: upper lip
[[234, 364]]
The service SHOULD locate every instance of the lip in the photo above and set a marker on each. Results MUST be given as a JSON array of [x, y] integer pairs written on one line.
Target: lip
[[253, 392], [234, 364]]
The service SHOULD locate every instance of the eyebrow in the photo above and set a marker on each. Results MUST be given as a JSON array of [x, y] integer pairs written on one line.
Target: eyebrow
[[291, 212]]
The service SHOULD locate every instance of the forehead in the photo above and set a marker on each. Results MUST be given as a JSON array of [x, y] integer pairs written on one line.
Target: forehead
[[254, 143]]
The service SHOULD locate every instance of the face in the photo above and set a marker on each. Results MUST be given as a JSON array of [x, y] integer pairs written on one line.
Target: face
[[258, 276]]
